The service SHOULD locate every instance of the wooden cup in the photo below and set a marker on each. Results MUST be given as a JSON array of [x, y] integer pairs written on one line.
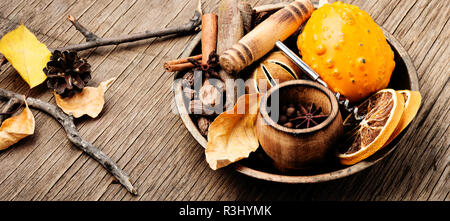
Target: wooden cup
[[293, 149]]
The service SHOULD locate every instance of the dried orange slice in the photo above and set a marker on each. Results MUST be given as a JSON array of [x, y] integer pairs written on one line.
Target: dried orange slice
[[412, 103], [382, 112]]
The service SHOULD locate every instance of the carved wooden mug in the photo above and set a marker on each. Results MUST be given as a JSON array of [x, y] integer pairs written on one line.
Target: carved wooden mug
[[291, 148]]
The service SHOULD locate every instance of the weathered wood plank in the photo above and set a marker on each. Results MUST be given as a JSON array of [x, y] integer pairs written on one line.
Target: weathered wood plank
[[132, 93], [60, 153], [40, 158]]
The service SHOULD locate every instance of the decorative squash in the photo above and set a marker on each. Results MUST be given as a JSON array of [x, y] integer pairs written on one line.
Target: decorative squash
[[348, 50]]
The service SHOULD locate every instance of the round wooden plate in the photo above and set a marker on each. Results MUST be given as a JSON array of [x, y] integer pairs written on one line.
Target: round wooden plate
[[258, 165]]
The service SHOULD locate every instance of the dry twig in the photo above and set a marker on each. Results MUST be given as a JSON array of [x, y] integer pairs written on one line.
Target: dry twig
[[9, 107], [67, 123], [2, 61], [87, 34], [65, 120], [93, 40]]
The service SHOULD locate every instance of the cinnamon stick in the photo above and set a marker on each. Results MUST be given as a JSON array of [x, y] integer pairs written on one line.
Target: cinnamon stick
[[181, 64], [179, 67], [209, 36], [208, 93], [93, 41]]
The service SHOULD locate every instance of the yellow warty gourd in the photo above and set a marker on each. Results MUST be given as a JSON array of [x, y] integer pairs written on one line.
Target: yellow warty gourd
[[348, 50]]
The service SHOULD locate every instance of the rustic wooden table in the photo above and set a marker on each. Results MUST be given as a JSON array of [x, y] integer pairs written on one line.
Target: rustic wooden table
[[138, 130]]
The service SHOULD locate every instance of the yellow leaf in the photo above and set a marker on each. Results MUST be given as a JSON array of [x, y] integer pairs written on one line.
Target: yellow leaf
[[232, 135], [16, 128], [26, 54], [90, 101]]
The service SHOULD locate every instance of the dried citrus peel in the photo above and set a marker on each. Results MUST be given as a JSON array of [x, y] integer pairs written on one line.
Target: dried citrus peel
[[16, 128], [383, 112], [412, 104], [26, 54], [89, 102], [232, 135]]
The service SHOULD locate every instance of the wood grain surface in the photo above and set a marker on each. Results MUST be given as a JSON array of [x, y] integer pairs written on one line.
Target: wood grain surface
[[138, 129]]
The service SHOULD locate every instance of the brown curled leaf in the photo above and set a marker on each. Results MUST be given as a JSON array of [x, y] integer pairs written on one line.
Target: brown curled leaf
[[90, 101], [232, 135], [16, 128]]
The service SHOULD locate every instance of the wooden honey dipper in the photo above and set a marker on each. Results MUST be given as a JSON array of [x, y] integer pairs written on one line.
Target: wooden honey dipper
[[263, 37]]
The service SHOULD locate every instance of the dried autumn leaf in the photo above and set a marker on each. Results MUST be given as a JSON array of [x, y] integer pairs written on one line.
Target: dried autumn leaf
[[232, 135], [16, 128], [90, 101], [26, 54]]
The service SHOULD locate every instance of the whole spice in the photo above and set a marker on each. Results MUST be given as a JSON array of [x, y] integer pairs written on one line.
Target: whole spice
[[210, 68], [188, 79], [192, 78], [181, 64], [304, 116], [211, 95], [203, 125], [274, 68], [189, 93], [209, 37]]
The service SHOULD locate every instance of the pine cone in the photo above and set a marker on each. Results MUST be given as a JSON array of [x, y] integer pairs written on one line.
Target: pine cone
[[67, 73]]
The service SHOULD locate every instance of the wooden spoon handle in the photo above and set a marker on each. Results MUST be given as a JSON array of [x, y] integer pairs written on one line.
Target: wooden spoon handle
[[262, 38]]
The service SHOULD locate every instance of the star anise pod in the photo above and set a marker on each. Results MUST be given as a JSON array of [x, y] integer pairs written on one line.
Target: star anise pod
[[308, 117], [209, 69]]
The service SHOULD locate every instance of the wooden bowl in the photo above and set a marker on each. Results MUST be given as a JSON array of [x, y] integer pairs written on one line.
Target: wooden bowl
[[258, 165], [292, 148]]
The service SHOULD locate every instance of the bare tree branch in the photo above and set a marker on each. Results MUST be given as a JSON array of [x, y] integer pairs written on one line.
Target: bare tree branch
[[2, 61], [93, 40], [87, 34], [9, 107], [67, 123], [65, 120]]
